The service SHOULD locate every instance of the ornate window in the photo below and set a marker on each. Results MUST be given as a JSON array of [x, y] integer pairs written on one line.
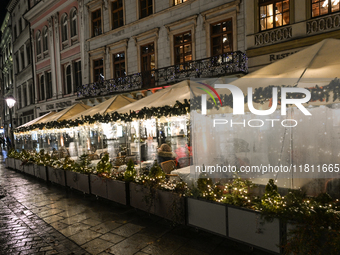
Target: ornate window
[[273, 13], [98, 70], [96, 22], [64, 36], [74, 27], [45, 39], [119, 65], [146, 8], [182, 47], [42, 87], [117, 14], [322, 7], [77, 73], [68, 80], [38, 42], [49, 91], [221, 34]]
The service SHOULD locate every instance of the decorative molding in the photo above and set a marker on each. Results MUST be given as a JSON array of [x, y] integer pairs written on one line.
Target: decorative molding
[[273, 36], [323, 24], [146, 35]]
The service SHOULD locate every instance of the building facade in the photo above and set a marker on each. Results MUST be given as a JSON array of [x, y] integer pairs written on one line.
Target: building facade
[[22, 62], [278, 28], [8, 88], [56, 39], [139, 45]]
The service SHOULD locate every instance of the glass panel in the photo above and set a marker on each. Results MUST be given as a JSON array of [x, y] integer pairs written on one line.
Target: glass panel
[[324, 7], [278, 20], [335, 6], [278, 7], [263, 24], [286, 5], [178, 39], [187, 48], [217, 51], [285, 18], [187, 37], [269, 22], [226, 44], [315, 10], [263, 11], [216, 41], [216, 28], [270, 10]]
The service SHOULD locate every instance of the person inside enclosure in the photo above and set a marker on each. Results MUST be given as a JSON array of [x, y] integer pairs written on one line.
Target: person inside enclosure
[[165, 153]]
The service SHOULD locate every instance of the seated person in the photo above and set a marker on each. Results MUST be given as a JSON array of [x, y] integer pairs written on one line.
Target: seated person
[[164, 154]]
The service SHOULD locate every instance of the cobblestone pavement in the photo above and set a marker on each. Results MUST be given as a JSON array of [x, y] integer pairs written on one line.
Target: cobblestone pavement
[[40, 218]]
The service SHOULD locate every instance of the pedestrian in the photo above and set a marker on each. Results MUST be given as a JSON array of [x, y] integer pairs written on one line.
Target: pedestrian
[[9, 143]]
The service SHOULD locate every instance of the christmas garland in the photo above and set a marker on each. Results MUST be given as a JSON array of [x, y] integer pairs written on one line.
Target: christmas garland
[[145, 113], [261, 95]]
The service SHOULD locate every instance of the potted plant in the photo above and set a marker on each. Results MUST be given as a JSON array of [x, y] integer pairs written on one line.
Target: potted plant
[[40, 168], [77, 174], [28, 160], [12, 154], [118, 185], [156, 195], [55, 171], [98, 180]]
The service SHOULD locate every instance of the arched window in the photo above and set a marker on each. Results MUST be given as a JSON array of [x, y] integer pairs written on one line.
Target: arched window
[[64, 28], [38, 42], [68, 87], [42, 87], [73, 22], [45, 37]]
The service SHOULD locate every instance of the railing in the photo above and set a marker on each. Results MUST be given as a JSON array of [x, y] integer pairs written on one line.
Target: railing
[[226, 64]]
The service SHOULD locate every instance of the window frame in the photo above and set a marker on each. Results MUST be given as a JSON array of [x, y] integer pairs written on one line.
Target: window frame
[[329, 9], [139, 5], [112, 11], [38, 44], [95, 67], [96, 20], [267, 2], [221, 34], [182, 44], [49, 85], [42, 90], [68, 90], [64, 29], [74, 23], [77, 73], [45, 41], [118, 62]]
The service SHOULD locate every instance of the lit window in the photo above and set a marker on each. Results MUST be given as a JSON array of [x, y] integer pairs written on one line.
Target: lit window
[[273, 14], [119, 65], [176, 2], [322, 7], [183, 47], [221, 35]]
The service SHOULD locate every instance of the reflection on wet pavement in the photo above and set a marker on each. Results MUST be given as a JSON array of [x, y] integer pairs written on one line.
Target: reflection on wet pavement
[[40, 218]]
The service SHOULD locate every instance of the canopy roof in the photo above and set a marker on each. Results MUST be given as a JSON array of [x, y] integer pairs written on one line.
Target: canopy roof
[[107, 106], [41, 118], [67, 113], [317, 64]]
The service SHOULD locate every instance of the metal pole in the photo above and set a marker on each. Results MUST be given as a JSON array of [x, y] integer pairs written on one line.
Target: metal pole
[[12, 134]]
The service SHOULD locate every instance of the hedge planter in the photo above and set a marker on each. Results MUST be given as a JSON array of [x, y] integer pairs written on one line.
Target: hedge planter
[[118, 191], [162, 203], [18, 165], [56, 175], [207, 215], [78, 181], [98, 186], [29, 169], [40, 172], [249, 227]]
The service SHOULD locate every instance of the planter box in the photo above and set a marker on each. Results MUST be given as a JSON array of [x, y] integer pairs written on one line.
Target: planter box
[[11, 163], [18, 165], [98, 186], [40, 172], [78, 181], [140, 198], [29, 169], [56, 175], [249, 227], [6, 163], [118, 191], [162, 203], [207, 215]]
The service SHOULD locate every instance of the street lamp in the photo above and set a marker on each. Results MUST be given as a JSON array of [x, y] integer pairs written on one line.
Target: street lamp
[[10, 100]]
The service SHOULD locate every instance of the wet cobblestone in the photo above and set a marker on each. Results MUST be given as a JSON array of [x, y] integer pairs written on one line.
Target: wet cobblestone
[[40, 218]]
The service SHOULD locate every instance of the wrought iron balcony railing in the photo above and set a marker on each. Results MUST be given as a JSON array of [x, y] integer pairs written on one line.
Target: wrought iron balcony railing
[[226, 64]]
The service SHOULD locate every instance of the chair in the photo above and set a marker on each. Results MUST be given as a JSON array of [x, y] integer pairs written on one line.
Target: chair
[[168, 166]]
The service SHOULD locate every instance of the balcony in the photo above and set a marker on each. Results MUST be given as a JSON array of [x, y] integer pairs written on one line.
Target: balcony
[[222, 65]]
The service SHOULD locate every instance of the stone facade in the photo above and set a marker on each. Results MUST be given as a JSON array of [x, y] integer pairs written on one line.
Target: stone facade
[[22, 62], [167, 19], [7, 86], [304, 28], [56, 40]]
